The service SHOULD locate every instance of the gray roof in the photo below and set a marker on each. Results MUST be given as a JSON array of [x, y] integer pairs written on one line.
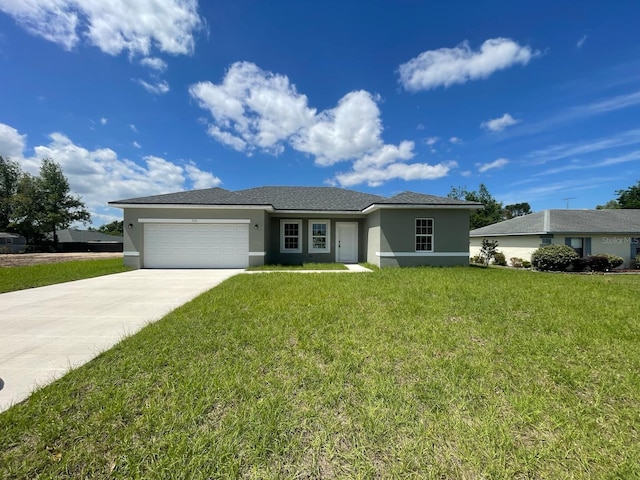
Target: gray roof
[[566, 221], [72, 235], [292, 198]]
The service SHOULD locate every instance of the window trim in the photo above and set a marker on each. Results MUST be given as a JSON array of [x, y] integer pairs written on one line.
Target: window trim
[[327, 249], [431, 222], [283, 222]]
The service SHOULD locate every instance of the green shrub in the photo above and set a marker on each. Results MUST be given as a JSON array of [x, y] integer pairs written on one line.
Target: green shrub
[[499, 259], [638, 260], [526, 264], [603, 262], [580, 264], [516, 262], [477, 259], [553, 257], [615, 261]]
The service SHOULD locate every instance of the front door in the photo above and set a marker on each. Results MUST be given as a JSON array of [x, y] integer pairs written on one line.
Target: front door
[[347, 242]]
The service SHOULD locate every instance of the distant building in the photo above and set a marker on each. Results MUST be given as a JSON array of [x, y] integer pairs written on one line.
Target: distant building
[[73, 240], [12, 243], [588, 232]]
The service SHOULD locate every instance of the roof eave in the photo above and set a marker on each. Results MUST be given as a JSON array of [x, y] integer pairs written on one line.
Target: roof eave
[[415, 206], [268, 208]]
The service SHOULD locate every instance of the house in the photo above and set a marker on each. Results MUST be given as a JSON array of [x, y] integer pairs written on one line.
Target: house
[[589, 232], [74, 240], [215, 227], [12, 243]]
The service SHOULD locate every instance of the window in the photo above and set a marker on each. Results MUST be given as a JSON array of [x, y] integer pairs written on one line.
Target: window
[[290, 236], [424, 234], [319, 236], [577, 243]]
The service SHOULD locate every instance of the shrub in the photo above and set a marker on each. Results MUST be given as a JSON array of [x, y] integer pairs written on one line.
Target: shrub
[[477, 259], [499, 259], [553, 257], [488, 250], [516, 262], [638, 260], [580, 264], [603, 262], [526, 264]]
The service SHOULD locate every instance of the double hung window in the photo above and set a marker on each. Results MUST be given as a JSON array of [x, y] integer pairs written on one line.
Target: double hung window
[[291, 236], [424, 234]]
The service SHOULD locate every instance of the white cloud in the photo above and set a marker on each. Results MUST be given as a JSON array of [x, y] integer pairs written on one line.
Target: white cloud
[[11, 142], [113, 26], [455, 140], [133, 128], [499, 163], [449, 66], [103, 121], [159, 88], [581, 41], [499, 124], [100, 175], [254, 109], [154, 63], [137, 145], [432, 141]]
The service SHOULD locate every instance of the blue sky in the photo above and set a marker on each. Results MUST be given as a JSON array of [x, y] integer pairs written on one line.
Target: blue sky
[[540, 101]]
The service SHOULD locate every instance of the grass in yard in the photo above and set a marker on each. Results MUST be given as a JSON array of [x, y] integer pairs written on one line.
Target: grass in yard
[[20, 278], [304, 266], [404, 373]]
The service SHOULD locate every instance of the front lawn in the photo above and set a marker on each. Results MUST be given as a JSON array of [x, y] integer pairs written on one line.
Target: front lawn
[[304, 266], [403, 373], [20, 278]]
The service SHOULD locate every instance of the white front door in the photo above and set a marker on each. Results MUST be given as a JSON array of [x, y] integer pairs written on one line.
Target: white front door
[[346, 242]]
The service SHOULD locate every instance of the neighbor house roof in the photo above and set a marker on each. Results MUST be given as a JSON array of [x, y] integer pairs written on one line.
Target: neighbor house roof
[[566, 221], [292, 198], [71, 235], [13, 236]]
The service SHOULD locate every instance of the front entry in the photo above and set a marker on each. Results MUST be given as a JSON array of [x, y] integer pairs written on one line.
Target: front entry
[[347, 242]]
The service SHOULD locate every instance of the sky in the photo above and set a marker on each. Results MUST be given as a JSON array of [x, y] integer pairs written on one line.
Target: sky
[[538, 100]]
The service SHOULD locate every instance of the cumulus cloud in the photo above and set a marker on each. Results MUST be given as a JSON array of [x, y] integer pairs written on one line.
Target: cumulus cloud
[[450, 66], [113, 26], [432, 141], [455, 140], [253, 109], [100, 175], [154, 63], [499, 163], [499, 124]]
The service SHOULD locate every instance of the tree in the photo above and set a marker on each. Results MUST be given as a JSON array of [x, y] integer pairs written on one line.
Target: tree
[[488, 250], [516, 210], [114, 228], [10, 174], [628, 198], [26, 218], [492, 211], [59, 208]]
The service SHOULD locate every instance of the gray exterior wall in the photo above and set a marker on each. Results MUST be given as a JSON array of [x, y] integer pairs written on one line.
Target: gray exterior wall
[[450, 238], [276, 257], [373, 235], [134, 236]]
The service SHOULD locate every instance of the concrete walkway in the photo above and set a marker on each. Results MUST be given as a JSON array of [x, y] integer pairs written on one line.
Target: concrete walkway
[[46, 331]]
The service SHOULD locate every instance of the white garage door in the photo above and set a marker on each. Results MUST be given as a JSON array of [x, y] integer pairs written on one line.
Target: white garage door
[[217, 245]]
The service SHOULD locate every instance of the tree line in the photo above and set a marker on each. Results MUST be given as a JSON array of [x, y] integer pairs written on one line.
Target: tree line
[[38, 206]]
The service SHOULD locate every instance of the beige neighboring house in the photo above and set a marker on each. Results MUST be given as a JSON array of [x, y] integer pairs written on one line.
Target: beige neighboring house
[[589, 232]]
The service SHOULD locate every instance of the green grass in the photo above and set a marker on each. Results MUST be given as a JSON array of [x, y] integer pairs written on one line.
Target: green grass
[[460, 373], [20, 278], [304, 266]]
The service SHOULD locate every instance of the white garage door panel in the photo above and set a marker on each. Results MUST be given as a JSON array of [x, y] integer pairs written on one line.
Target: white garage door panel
[[218, 245]]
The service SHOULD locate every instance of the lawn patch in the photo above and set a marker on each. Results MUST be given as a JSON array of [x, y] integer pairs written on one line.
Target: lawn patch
[[408, 373], [304, 266]]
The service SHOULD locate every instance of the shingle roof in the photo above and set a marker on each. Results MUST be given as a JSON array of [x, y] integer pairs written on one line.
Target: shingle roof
[[566, 221], [71, 235], [292, 198]]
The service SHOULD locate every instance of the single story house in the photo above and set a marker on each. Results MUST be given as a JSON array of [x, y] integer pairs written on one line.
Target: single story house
[[12, 243], [74, 240], [589, 232], [218, 228]]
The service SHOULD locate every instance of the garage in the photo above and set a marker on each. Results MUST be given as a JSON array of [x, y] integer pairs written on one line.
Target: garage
[[199, 244]]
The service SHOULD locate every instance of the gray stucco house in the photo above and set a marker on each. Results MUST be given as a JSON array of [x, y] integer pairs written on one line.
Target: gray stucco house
[[589, 232], [218, 228], [12, 243]]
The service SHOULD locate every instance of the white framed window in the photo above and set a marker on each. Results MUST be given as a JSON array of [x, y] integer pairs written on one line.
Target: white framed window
[[424, 234], [319, 236], [290, 236]]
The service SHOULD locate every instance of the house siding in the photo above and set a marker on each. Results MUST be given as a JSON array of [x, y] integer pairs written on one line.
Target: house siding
[[397, 239], [133, 244], [372, 234]]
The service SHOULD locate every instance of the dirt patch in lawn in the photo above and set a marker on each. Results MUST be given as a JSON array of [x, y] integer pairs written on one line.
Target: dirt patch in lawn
[[23, 259]]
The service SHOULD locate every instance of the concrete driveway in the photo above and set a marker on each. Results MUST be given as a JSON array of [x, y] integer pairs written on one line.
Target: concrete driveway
[[46, 331]]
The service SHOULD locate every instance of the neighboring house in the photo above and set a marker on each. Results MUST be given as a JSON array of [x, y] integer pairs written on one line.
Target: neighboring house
[[217, 228], [73, 240], [589, 232], [12, 243]]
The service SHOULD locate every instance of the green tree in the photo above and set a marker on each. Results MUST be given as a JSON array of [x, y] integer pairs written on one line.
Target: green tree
[[114, 228], [488, 250], [26, 217], [59, 209], [628, 198], [516, 210], [492, 211], [10, 174]]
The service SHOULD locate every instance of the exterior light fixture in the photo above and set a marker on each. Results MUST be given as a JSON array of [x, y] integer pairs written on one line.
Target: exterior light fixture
[[130, 226], [256, 226]]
